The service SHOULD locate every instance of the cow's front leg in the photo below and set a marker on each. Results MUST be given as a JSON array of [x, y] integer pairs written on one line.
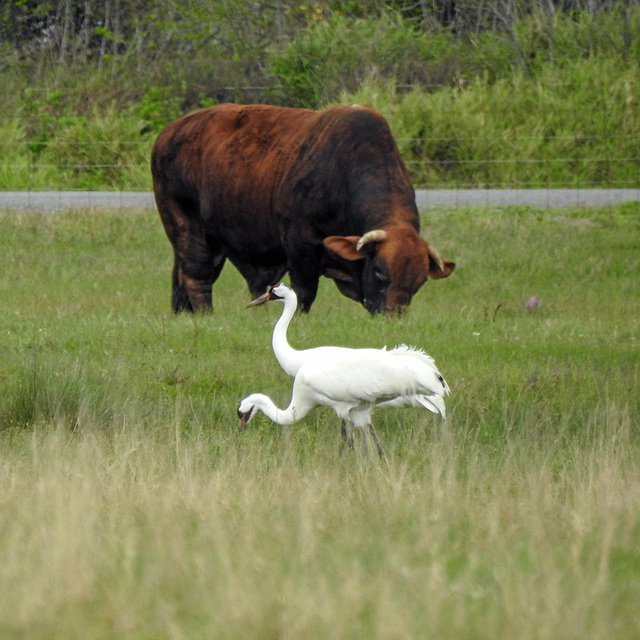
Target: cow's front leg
[[306, 289], [304, 273]]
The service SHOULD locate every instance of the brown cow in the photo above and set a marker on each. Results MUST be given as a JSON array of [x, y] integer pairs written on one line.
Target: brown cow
[[277, 189]]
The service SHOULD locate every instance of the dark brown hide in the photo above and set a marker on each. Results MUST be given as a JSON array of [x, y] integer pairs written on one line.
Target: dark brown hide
[[276, 189]]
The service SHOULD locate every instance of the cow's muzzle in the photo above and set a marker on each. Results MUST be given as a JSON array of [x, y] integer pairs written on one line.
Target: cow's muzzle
[[375, 307]]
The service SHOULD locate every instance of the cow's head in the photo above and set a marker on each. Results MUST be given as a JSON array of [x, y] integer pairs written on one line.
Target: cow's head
[[393, 264]]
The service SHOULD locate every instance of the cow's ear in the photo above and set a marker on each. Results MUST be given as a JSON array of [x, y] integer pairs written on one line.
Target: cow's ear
[[343, 246], [439, 268], [436, 272]]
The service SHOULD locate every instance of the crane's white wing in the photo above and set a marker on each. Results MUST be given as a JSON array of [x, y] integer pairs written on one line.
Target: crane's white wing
[[368, 375], [291, 360]]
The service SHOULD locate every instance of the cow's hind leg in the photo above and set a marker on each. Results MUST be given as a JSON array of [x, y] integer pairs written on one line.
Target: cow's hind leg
[[191, 286], [197, 258], [179, 295], [197, 266]]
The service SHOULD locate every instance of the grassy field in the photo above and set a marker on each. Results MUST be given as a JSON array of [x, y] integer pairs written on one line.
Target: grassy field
[[131, 509]]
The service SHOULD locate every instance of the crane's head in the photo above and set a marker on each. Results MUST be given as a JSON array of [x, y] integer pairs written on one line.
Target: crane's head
[[244, 417], [279, 292], [246, 411]]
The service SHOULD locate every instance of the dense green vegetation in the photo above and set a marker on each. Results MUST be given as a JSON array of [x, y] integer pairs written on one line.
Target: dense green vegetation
[[130, 508], [478, 94]]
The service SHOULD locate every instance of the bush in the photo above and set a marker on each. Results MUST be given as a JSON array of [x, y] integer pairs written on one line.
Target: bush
[[14, 155], [578, 126], [338, 54], [157, 107], [105, 149], [546, 100]]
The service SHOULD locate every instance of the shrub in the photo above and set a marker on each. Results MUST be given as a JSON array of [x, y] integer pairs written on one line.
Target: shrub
[[339, 53], [14, 155], [106, 148], [575, 126], [158, 107]]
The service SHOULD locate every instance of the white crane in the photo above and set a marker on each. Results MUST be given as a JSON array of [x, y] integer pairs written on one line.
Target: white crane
[[291, 359], [350, 381], [351, 384]]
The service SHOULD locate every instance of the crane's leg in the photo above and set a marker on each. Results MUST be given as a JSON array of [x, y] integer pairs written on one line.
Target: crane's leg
[[365, 440], [347, 436], [374, 435]]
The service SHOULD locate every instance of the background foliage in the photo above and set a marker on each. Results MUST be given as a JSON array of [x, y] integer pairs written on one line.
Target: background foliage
[[482, 93]]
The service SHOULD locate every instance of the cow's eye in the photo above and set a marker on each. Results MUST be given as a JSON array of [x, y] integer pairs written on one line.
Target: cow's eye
[[382, 277]]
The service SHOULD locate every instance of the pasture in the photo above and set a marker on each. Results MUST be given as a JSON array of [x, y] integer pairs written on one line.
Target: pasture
[[131, 509]]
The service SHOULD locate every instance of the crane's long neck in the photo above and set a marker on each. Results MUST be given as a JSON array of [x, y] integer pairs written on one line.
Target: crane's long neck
[[284, 417], [289, 358]]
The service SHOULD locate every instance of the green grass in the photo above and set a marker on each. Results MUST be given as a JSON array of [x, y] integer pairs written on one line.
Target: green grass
[[131, 509]]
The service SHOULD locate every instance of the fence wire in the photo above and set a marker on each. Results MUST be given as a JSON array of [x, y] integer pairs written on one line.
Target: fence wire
[[433, 162]]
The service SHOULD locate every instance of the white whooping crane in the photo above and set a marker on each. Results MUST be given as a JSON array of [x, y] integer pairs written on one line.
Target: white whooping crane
[[351, 384], [350, 381], [288, 358], [291, 359]]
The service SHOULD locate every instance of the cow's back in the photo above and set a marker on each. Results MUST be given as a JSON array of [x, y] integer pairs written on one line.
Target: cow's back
[[230, 154]]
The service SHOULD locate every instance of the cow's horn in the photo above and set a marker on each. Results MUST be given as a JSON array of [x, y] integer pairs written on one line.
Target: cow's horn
[[436, 256], [377, 235]]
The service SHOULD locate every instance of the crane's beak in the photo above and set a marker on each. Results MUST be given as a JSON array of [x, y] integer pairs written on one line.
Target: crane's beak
[[261, 300], [243, 418], [265, 297]]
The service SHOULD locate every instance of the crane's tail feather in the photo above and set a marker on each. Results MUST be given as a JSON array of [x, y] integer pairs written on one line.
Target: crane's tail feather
[[434, 403], [425, 359]]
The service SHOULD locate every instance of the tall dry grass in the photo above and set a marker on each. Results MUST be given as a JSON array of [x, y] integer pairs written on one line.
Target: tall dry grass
[[139, 533]]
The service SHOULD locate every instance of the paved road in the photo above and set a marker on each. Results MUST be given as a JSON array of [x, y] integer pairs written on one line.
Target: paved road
[[552, 198], [48, 201]]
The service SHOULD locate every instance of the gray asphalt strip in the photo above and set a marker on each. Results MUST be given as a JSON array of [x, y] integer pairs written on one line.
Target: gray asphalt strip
[[49, 201]]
